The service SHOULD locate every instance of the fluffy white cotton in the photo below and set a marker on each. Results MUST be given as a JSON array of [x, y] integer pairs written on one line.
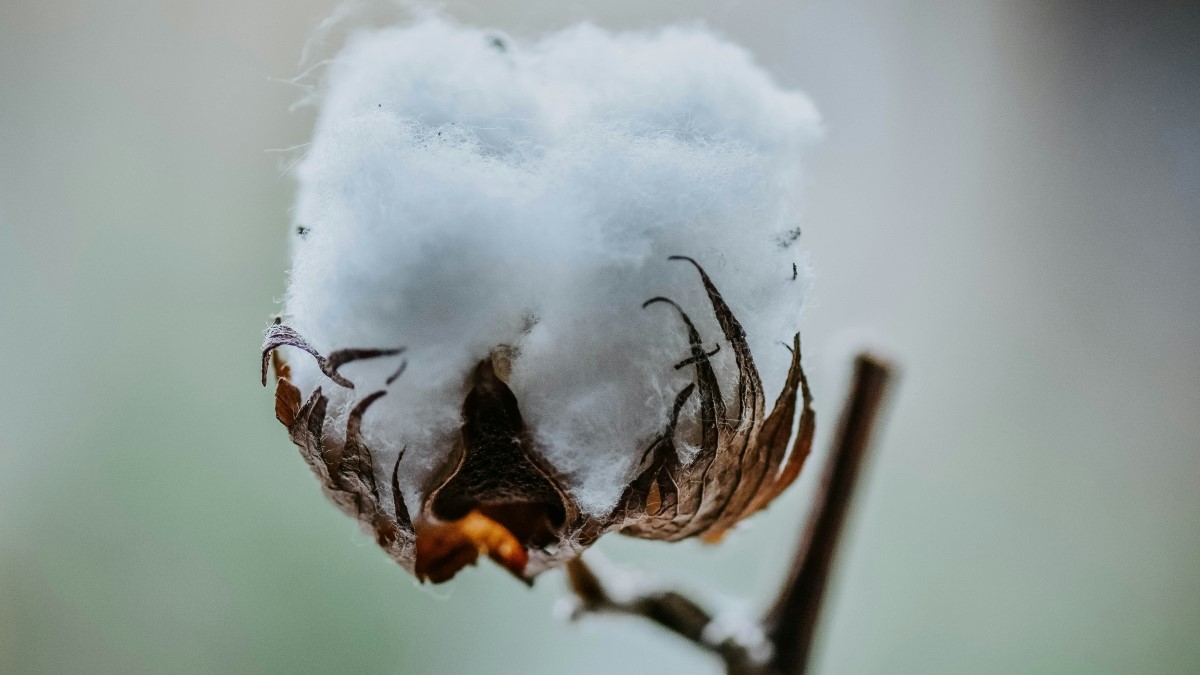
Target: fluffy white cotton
[[464, 191]]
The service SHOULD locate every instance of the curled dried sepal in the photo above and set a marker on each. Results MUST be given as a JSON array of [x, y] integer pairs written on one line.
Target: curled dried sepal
[[280, 335], [740, 466], [346, 470], [497, 496]]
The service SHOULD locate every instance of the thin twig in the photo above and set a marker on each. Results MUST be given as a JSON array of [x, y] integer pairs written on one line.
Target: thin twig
[[784, 643], [743, 651]]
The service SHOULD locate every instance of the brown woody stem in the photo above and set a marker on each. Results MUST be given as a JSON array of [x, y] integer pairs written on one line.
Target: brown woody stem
[[792, 622], [790, 626]]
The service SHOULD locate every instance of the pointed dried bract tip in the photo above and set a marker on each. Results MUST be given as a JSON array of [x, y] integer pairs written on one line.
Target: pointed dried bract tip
[[504, 214]]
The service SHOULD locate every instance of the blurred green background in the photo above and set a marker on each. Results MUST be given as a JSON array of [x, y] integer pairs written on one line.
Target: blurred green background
[[1008, 200]]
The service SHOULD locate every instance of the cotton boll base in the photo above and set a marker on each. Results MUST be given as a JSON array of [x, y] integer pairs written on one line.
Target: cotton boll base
[[458, 197]]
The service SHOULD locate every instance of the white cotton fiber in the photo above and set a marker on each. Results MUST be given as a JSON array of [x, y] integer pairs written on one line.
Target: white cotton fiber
[[463, 191]]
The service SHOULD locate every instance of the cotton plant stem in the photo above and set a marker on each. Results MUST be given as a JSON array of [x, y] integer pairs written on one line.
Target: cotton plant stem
[[784, 645], [791, 624]]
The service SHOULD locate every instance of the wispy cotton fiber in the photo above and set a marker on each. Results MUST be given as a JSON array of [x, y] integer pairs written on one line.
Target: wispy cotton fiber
[[464, 192]]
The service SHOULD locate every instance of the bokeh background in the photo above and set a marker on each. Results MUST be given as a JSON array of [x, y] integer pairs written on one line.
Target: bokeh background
[[1007, 201]]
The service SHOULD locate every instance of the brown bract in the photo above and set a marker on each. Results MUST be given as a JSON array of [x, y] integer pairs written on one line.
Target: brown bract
[[496, 495]]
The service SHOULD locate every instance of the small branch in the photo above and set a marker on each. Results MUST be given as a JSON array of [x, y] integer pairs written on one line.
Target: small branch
[[744, 651], [783, 644], [792, 622]]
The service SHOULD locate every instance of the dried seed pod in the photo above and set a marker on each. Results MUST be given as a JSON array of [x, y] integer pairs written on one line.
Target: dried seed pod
[[497, 496]]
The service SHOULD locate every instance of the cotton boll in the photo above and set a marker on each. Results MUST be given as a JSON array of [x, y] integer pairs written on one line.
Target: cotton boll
[[457, 197]]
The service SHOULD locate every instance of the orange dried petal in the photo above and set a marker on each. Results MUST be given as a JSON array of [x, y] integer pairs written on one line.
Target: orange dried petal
[[445, 548]]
